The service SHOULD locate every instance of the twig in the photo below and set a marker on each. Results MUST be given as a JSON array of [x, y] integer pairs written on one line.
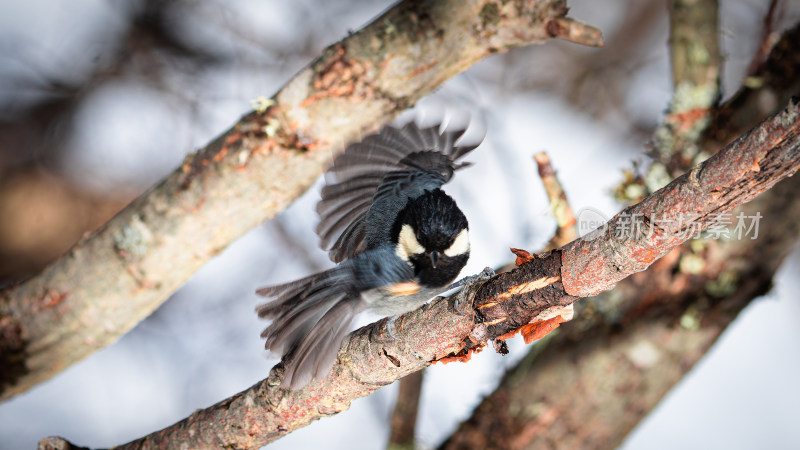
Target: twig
[[768, 38], [779, 78], [119, 275], [565, 218], [404, 418], [370, 358]]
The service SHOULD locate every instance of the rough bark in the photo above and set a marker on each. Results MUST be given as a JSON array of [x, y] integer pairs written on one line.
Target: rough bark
[[370, 358], [113, 279]]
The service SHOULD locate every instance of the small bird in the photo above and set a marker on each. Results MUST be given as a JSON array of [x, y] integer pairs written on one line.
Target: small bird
[[397, 237]]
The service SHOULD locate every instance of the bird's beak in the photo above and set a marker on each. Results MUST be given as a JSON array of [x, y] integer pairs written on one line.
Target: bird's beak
[[434, 258]]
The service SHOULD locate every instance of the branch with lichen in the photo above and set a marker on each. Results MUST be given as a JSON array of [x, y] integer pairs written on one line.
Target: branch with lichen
[[447, 328], [120, 274], [696, 62]]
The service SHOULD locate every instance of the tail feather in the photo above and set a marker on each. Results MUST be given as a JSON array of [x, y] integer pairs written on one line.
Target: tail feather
[[316, 351], [310, 318]]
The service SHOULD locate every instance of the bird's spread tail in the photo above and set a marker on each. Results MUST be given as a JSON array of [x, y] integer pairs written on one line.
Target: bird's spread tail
[[310, 318]]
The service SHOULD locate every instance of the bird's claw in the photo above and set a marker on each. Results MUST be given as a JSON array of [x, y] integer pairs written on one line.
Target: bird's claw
[[485, 274], [468, 285], [389, 326]]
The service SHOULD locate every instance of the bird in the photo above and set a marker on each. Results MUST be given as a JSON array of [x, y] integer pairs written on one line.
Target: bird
[[398, 240]]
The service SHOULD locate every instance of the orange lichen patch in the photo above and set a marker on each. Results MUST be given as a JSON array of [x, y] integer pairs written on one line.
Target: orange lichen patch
[[523, 257], [687, 119], [52, 298], [755, 167], [541, 325], [463, 356], [401, 289], [341, 77], [524, 288]]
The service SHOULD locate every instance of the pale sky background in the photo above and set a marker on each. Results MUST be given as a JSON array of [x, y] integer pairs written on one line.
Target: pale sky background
[[203, 344]]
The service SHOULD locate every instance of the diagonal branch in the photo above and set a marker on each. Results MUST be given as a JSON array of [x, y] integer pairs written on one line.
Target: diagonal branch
[[110, 281], [371, 358]]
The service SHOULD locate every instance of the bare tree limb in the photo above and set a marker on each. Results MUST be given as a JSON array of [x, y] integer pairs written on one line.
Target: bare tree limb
[[109, 282], [565, 218], [370, 358]]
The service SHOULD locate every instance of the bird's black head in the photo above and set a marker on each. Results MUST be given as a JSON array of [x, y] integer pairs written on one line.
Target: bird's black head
[[431, 234]]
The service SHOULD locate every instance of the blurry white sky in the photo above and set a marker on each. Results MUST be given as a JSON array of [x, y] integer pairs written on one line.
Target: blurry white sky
[[203, 345]]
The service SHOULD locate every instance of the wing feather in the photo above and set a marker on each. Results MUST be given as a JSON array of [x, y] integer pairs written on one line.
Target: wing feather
[[383, 169]]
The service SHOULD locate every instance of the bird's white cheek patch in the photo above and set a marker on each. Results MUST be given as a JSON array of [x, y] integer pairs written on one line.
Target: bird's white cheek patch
[[460, 246], [407, 244]]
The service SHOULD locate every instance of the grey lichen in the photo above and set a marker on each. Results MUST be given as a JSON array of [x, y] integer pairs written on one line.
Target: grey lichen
[[656, 177], [133, 238]]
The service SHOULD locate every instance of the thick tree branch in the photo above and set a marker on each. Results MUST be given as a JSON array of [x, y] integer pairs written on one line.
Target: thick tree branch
[[113, 279], [370, 358]]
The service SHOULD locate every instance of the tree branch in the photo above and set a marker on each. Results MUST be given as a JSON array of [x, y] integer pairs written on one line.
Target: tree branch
[[371, 358], [109, 282]]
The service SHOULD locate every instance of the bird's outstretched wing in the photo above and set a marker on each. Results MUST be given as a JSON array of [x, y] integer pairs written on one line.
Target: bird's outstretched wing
[[370, 182]]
